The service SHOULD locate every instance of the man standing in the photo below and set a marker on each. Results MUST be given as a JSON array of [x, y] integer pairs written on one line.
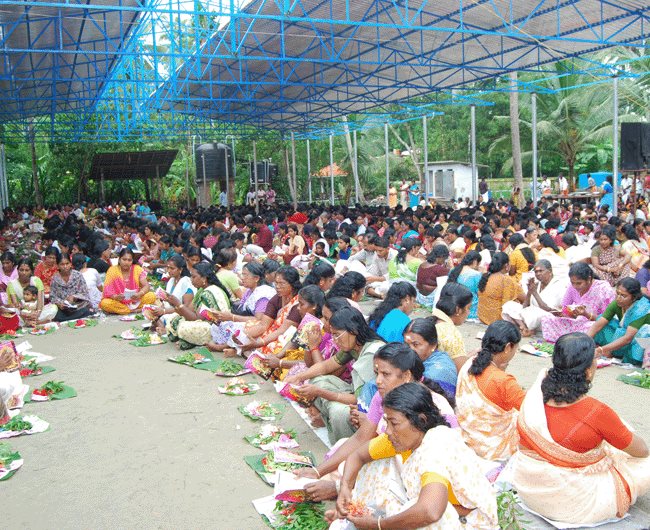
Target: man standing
[[223, 198], [484, 190], [564, 185], [404, 194]]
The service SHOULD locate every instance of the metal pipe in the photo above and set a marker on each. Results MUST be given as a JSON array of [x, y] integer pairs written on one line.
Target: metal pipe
[[356, 168], [332, 170], [204, 179], [293, 171], [194, 160], [257, 203], [473, 149], [425, 134], [309, 170], [227, 177], [387, 165], [234, 168], [533, 108], [3, 183], [615, 151]]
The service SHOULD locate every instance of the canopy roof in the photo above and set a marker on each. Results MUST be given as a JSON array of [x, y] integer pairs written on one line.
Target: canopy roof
[[132, 165], [124, 70], [56, 57]]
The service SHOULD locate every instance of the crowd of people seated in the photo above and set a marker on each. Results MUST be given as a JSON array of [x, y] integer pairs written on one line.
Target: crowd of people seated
[[403, 400]]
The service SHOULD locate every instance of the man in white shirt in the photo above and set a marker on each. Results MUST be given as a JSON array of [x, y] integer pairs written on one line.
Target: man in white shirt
[[250, 197], [377, 273], [626, 187], [564, 184], [223, 198], [361, 225]]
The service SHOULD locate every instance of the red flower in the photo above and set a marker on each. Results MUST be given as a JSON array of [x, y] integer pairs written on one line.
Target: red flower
[[41, 392], [25, 372]]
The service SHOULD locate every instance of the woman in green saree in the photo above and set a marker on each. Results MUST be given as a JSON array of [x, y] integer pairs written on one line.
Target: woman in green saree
[[404, 267], [191, 326]]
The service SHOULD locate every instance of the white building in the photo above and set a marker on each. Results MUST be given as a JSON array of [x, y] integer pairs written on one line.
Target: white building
[[451, 179]]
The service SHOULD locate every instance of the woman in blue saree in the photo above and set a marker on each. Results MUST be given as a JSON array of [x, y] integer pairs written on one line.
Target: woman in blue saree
[[608, 193], [414, 196], [391, 316], [625, 320], [466, 273]]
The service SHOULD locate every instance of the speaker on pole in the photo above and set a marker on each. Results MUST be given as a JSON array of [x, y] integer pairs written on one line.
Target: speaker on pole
[[635, 146]]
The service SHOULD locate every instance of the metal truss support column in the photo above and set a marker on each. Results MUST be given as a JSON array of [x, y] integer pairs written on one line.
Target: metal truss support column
[[227, 177], [309, 170], [4, 188], [205, 184], [257, 202], [533, 109], [425, 172], [356, 168], [615, 151], [231, 200], [387, 164], [473, 153], [294, 179], [102, 193], [331, 170]]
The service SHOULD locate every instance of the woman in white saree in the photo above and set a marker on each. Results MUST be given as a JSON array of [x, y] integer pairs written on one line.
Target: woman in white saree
[[577, 462]]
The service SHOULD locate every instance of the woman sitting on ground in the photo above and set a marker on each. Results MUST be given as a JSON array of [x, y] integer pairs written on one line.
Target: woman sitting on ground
[[555, 255], [421, 335], [576, 443], [282, 310], [322, 274], [496, 288], [625, 320], [391, 316], [440, 476], [395, 364], [179, 286], [451, 312], [522, 258], [350, 286], [69, 292], [608, 260], [249, 314], [32, 315], [126, 288], [488, 398], [429, 271], [47, 268], [332, 396], [8, 273], [543, 298], [225, 261], [404, 266], [310, 306], [191, 325], [635, 248], [467, 273], [91, 277], [584, 300]]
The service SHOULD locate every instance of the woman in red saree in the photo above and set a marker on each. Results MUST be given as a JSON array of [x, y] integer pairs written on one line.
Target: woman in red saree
[[577, 463], [46, 269]]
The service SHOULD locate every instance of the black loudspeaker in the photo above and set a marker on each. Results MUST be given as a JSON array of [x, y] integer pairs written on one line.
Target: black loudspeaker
[[635, 146], [212, 158], [265, 172]]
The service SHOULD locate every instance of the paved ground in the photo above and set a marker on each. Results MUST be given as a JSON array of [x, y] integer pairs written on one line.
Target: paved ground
[[151, 444]]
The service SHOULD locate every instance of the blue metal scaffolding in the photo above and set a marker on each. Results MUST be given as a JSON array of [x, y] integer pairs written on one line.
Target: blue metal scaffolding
[[143, 70]]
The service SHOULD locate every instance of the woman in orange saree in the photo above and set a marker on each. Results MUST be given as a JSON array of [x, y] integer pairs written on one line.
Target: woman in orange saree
[[287, 285], [577, 462], [488, 398]]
